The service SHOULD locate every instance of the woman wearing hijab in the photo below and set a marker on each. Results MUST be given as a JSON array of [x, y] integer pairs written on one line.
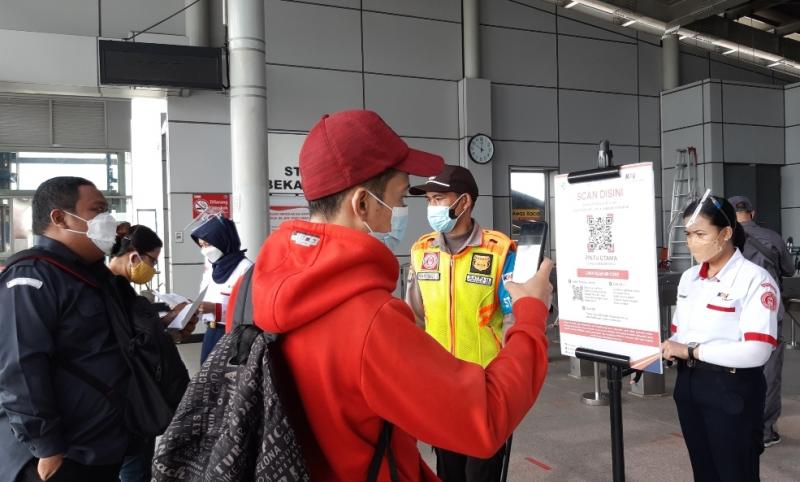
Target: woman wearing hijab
[[219, 242]]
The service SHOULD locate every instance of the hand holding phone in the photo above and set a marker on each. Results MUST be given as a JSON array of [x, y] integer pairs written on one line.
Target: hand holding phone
[[538, 286], [530, 250]]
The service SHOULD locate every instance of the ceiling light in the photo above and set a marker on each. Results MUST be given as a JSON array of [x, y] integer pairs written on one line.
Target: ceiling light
[[775, 64], [731, 51], [629, 23], [571, 4]]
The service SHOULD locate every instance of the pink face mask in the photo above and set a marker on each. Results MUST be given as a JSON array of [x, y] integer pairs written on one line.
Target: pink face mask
[[704, 250]]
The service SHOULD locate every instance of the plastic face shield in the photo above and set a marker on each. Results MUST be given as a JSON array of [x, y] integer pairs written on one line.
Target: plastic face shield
[[209, 215], [696, 212], [707, 197]]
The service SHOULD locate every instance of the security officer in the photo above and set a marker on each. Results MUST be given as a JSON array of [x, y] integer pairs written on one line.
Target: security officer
[[765, 248], [456, 292], [56, 333], [724, 330]]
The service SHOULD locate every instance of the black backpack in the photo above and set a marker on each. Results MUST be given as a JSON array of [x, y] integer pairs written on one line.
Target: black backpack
[[158, 376], [231, 424]]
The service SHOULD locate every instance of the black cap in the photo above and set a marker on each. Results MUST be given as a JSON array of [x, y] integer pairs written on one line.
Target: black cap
[[741, 203], [455, 179]]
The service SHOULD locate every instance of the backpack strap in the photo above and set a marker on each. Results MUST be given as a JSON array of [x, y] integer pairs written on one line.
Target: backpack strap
[[383, 448], [53, 259], [243, 309], [243, 329]]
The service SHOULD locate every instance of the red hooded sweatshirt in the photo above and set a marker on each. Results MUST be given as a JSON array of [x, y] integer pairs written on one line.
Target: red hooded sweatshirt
[[358, 358]]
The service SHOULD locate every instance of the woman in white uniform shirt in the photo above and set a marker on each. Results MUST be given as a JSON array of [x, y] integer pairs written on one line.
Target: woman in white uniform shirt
[[724, 330], [219, 242]]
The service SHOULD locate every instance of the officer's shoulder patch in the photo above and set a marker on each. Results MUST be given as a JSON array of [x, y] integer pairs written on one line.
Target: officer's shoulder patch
[[35, 283], [769, 301]]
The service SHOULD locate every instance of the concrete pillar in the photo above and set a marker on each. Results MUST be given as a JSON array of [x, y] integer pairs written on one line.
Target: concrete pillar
[[197, 24], [472, 39], [248, 93], [670, 57]]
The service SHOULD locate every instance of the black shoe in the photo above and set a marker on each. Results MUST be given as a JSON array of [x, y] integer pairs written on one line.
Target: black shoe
[[772, 439]]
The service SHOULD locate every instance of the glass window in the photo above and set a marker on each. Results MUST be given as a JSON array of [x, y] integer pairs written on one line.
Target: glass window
[[22, 172], [528, 198], [29, 169], [15, 224]]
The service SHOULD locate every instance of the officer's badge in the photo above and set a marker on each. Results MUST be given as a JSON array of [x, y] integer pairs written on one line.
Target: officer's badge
[[430, 261], [481, 263], [769, 301]]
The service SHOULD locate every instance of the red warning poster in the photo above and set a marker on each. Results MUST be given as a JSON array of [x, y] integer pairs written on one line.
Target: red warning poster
[[203, 201]]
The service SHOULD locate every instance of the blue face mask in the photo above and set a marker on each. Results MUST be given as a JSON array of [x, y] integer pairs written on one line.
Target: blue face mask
[[439, 217], [399, 224]]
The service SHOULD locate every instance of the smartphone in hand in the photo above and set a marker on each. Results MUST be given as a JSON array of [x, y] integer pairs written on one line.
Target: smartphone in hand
[[530, 250]]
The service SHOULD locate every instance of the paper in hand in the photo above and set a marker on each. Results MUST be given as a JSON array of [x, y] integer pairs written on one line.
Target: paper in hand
[[187, 312], [172, 299]]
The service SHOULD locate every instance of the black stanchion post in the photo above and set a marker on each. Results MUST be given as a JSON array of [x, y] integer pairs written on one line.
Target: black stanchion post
[[617, 367], [506, 458], [615, 411]]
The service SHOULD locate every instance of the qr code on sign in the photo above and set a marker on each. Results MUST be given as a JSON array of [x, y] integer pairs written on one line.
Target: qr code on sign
[[577, 293], [600, 233]]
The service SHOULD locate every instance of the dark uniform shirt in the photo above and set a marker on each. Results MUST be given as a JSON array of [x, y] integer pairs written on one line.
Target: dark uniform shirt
[[779, 263], [45, 410]]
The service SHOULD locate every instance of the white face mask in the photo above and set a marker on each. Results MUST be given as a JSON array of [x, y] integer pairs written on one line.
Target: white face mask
[[399, 224], [101, 229], [211, 253]]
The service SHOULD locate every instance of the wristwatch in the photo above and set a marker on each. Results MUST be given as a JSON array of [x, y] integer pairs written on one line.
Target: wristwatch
[[692, 361]]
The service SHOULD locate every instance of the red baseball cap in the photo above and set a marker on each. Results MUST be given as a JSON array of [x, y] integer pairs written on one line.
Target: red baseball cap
[[347, 148]]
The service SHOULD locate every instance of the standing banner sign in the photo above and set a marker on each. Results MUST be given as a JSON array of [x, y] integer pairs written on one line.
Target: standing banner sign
[[607, 278]]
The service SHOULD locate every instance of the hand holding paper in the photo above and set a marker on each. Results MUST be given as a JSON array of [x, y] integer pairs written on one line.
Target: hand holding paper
[[186, 314]]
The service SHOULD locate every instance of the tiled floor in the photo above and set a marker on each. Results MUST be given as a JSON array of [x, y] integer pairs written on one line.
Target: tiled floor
[[563, 439]]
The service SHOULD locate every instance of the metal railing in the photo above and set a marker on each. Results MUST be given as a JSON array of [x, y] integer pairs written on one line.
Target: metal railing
[[792, 343]]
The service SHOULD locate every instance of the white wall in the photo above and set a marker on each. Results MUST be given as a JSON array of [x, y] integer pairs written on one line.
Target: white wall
[[51, 47], [560, 83], [91, 18]]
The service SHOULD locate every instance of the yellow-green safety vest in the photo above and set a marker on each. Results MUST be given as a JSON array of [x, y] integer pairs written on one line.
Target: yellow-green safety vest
[[464, 315]]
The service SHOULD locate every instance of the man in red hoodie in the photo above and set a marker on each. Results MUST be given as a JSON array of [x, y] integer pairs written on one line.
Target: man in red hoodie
[[354, 351]]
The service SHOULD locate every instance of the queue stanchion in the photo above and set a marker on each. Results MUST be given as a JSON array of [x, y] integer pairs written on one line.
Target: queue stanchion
[[598, 397], [791, 305], [618, 366], [506, 458]]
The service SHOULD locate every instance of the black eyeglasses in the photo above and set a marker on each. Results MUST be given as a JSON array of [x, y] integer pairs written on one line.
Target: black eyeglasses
[[153, 261]]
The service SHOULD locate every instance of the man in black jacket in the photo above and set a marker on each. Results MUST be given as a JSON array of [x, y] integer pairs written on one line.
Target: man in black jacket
[[765, 248], [54, 425]]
